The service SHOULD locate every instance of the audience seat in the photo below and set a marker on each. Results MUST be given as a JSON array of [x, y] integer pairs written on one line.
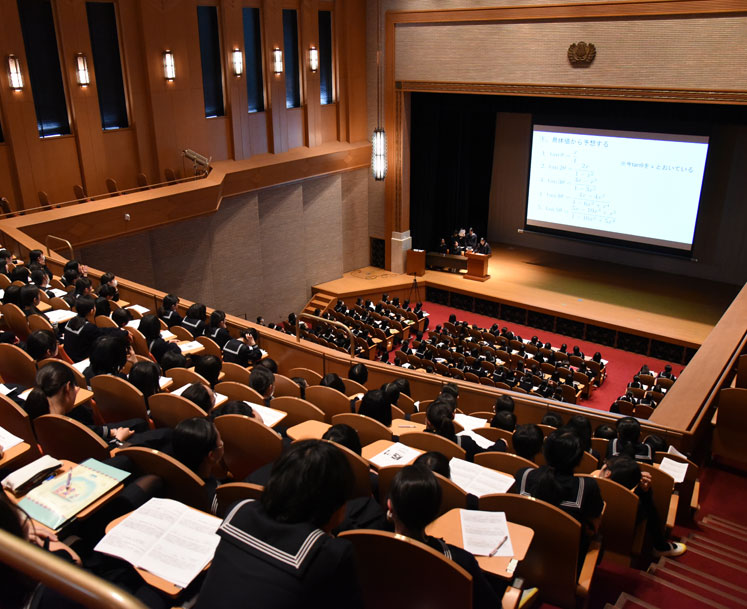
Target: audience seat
[[242, 393], [117, 400], [168, 410], [16, 421], [234, 372], [369, 430], [184, 376], [248, 444], [16, 366], [298, 410], [80, 380], [211, 347], [430, 441], [15, 320], [286, 387], [312, 378], [66, 438], [328, 400], [503, 462], [231, 492]]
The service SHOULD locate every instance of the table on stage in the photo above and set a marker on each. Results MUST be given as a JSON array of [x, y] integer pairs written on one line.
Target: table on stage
[[448, 526]]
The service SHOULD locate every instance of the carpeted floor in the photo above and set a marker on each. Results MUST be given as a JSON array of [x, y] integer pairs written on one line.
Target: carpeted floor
[[622, 366]]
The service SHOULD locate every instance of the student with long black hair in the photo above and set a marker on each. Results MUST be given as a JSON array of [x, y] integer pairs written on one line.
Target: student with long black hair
[[440, 421], [168, 311], [194, 321], [555, 483], [303, 500], [150, 328], [216, 329], [628, 442]]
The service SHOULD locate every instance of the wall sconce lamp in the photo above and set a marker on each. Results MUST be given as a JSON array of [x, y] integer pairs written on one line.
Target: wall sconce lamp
[[14, 73], [238, 62], [313, 58], [169, 71], [277, 61], [81, 70], [378, 154]]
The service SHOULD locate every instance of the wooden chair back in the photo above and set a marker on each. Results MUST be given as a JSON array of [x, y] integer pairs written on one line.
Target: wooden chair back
[[142, 180], [353, 387], [618, 526], [16, 421], [180, 483], [689, 489], [38, 322], [66, 438], [625, 407], [168, 410], [328, 400], [361, 471], [494, 434], [369, 430], [16, 366], [102, 321], [139, 344], [234, 372], [231, 492], [730, 433], [430, 441], [44, 199], [16, 321], [185, 376], [312, 378], [552, 559], [386, 475], [662, 487], [452, 496], [248, 444], [79, 193], [211, 347], [406, 403], [503, 462], [58, 304], [298, 410], [588, 464], [286, 387], [390, 582], [643, 411], [181, 332], [4, 281], [600, 445], [80, 380], [117, 400], [242, 393], [419, 417], [111, 186]]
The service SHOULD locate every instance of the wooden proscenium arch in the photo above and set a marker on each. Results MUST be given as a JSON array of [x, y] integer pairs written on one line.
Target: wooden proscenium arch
[[397, 92]]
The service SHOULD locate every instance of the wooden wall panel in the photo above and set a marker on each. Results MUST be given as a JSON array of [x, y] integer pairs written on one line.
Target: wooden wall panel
[[296, 121], [120, 159], [329, 123], [7, 177]]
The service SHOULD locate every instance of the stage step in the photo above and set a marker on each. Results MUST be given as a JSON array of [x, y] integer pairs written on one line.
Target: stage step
[[320, 301], [699, 583], [628, 601], [717, 534], [727, 585], [729, 524], [664, 593]]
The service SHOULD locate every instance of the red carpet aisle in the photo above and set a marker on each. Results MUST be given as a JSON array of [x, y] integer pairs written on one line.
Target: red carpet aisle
[[623, 364]]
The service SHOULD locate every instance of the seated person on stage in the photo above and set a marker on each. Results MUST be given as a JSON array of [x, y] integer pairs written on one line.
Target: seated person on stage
[[443, 248], [456, 249], [242, 350], [414, 502], [483, 247], [303, 500], [470, 239], [168, 311]]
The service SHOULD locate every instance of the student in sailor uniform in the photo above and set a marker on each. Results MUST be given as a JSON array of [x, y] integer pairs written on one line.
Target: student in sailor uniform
[[79, 331], [216, 329], [628, 442], [242, 350], [194, 321], [150, 328], [275, 553], [168, 311], [555, 483]]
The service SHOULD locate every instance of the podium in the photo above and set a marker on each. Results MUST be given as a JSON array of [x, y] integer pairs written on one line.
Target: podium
[[415, 262], [477, 266]]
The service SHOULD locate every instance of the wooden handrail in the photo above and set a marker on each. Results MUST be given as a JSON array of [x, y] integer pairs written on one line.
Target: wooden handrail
[[67, 579], [61, 240], [326, 321]]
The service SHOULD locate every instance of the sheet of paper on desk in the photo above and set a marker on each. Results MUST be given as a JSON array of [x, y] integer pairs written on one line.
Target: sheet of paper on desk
[[468, 422], [163, 381], [396, 454], [477, 479], [57, 316], [134, 323], [139, 308], [57, 292], [673, 451], [269, 416], [483, 532], [166, 335], [481, 441], [8, 440], [677, 470], [166, 538], [82, 365], [193, 344], [6, 390]]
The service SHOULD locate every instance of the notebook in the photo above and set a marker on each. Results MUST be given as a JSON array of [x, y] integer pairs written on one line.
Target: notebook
[[56, 501]]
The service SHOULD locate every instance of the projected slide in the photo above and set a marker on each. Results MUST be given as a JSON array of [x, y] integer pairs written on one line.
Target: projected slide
[[640, 187]]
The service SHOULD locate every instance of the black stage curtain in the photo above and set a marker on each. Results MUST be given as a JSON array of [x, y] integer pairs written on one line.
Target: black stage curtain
[[451, 164]]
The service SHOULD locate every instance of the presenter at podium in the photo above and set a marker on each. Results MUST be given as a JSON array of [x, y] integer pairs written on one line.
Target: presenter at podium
[[483, 247]]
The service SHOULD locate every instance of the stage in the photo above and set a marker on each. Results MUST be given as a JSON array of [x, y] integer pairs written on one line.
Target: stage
[[574, 295]]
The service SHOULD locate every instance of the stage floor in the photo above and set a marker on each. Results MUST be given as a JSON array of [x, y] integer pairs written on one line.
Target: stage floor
[[658, 305]]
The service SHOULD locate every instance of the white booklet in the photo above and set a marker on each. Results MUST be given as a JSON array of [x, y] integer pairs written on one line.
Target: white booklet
[[481, 441], [165, 538], [8, 440], [82, 365], [58, 316], [269, 416], [139, 308], [190, 346], [478, 480], [396, 454], [485, 533], [469, 423], [677, 470]]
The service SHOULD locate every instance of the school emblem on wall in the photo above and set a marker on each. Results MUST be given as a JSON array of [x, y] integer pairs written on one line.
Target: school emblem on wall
[[581, 54]]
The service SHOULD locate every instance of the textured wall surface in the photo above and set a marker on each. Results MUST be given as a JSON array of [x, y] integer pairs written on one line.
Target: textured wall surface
[[259, 254]]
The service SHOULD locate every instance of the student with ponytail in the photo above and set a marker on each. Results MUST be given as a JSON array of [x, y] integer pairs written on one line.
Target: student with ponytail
[[54, 393], [628, 442], [555, 483], [440, 421]]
